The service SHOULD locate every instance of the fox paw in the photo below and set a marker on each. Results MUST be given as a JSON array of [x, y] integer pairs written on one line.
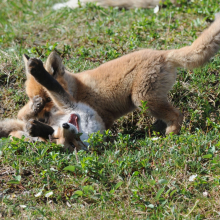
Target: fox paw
[[35, 66], [159, 126], [38, 129], [32, 128], [38, 104]]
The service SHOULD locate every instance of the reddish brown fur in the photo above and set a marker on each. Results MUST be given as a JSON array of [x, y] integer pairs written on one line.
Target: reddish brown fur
[[118, 86], [33, 89]]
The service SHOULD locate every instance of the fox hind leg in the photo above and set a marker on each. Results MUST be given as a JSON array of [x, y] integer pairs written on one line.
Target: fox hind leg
[[161, 109], [166, 112], [159, 126], [60, 97]]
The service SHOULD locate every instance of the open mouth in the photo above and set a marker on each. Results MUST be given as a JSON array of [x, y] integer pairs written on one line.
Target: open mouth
[[74, 121]]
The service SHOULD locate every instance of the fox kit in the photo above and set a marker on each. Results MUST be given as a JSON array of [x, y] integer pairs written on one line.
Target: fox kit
[[118, 86], [69, 127]]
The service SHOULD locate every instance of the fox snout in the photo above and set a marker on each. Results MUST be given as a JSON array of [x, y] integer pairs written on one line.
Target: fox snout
[[65, 125]]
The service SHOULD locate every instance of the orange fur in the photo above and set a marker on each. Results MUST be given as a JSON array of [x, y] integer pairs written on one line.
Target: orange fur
[[118, 86], [33, 90]]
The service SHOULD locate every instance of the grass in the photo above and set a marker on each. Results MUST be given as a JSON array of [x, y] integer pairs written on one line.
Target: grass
[[130, 173]]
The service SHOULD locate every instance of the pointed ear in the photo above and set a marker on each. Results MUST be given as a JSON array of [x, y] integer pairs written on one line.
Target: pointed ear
[[54, 65], [26, 58]]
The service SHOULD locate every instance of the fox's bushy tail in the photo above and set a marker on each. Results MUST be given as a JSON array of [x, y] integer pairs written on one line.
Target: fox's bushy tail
[[202, 49], [9, 125]]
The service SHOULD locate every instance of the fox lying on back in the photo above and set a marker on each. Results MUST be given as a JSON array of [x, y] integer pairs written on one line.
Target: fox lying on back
[[61, 125]]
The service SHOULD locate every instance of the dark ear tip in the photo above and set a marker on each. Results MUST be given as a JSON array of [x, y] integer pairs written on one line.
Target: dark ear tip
[[26, 56]]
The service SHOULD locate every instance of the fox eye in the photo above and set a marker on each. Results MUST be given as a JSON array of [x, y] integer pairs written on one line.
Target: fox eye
[[72, 145], [48, 99]]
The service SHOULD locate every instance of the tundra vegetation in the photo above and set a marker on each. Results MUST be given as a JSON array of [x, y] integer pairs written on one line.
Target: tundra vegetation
[[134, 172]]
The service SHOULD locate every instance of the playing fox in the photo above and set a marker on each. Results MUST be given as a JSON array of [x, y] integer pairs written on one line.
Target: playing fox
[[118, 86]]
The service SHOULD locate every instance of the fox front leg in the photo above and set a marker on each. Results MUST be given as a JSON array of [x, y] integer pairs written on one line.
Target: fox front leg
[[36, 69], [38, 129], [61, 98]]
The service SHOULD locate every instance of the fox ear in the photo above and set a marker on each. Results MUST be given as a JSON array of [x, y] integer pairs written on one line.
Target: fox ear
[[54, 65], [26, 58]]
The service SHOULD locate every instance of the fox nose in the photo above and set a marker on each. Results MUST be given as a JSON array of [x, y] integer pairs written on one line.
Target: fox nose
[[65, 125]]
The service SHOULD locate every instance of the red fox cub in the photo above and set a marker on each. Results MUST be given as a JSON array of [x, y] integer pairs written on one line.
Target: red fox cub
[[63, 125], [118, 86]]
